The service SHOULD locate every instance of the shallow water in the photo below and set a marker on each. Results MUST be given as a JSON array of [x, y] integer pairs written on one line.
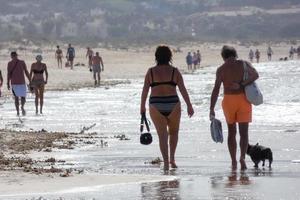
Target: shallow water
[[203, 171]]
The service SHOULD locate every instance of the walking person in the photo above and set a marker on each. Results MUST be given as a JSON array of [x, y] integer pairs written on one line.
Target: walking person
[[98, 66], [270, 53], [89, 55], [59, 56], [251, 55], [164, 104], [38, 82], [1, 81], [189, 61], [16, 79], [195, 60], [257, 55], [291, 52], [198, 58], [70, 55], [236, 107]]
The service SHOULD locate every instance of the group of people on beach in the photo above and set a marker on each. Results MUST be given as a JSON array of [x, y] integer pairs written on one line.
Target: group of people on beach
[[165, 108], [270, 52], [193, 60], [95, 62]]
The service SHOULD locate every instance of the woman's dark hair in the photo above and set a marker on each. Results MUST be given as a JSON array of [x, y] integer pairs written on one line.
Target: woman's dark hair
[[163, 55], [228, 52]]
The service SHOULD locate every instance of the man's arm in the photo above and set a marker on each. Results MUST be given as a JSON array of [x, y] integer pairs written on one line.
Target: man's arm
[[101, 61], [252, 75], [26, 72], [215, 94], [8, 77]]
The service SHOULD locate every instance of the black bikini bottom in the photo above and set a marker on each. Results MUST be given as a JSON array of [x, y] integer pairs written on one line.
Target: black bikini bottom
[[164, 104]]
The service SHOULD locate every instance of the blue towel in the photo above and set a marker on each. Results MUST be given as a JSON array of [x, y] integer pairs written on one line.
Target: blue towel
[[216, 130], [19, 90]]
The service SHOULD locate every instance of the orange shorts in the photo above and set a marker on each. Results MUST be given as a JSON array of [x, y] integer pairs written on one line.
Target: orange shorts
[[236, 108]]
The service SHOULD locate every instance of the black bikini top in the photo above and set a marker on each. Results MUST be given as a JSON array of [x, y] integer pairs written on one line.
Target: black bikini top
[[38, 71], [171, 82]]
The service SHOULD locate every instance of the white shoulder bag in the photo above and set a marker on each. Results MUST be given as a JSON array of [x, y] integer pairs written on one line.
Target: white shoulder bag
[[252, 91]]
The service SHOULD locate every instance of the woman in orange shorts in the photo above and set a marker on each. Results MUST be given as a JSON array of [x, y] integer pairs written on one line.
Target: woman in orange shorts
[[236, 107]]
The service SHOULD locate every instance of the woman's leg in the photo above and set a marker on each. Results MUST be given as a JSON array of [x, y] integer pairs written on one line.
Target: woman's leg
[[231, 142], [36, 92], [173, 124], [243, 129], [160, 123], [41, 95]]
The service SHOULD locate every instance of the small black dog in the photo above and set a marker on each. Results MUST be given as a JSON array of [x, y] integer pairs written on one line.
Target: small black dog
[[260, 153]]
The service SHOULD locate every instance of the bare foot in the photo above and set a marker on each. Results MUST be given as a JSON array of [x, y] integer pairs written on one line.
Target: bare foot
[[243, 164], [173, 164]]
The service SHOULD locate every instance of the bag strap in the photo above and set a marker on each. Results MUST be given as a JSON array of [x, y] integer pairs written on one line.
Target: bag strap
[[245, 77], [144, 121]]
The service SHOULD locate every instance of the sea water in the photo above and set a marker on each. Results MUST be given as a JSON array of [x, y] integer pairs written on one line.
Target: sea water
[[204, 166]]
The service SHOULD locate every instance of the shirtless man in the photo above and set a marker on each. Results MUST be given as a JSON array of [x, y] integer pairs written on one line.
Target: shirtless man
[[15, 78], [97, 63], [236, 107], [89, 55], [70, 55], [58, 56]]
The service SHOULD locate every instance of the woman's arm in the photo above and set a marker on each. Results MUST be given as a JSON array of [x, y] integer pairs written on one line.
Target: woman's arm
[[145, 93], [46, 72], [184, 94], [215, 94], [31, 72], [1, 79]]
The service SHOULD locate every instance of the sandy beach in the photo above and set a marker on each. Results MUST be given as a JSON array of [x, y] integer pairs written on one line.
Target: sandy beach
[[64, 152]]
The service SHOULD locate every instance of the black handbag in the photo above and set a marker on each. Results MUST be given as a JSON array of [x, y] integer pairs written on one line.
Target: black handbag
[[145, 138]]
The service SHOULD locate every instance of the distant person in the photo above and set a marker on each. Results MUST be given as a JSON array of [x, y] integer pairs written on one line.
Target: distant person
[[198, 58], [70, 55], [189, 60], [38, 82], [257, 55], [59, 56], [236, 107], [291, 52], [98, 66], [251, 55], [269, 53], [164, 104], [195, 60], [298, 52], [16, 79], [89, 55], [1, 81]]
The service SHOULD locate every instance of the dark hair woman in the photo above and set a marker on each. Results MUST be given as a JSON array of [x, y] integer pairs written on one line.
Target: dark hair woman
[[164, 104], [38, 82]]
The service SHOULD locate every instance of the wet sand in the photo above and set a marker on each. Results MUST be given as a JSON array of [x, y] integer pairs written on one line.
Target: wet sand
[[204, 166]]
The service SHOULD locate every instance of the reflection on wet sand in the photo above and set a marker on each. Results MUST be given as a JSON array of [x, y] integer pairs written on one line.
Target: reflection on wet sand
[[235, 185], [161, 190]]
